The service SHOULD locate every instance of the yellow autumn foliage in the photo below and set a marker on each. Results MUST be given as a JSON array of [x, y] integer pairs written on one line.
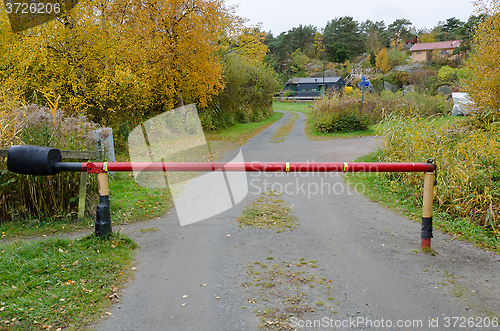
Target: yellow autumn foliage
[[382, 61], [482, 81], [126, 59]]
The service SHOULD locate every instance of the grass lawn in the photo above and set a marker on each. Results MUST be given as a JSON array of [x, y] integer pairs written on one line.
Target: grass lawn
[[292, 106], [59, 283]]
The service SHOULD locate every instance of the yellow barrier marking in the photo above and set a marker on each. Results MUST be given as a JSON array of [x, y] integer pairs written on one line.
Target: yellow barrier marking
[[346, 166], [105, 166], [288, 167]]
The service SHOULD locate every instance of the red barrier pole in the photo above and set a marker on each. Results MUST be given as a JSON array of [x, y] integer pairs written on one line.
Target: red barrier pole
[[429, 169], [252, 166]]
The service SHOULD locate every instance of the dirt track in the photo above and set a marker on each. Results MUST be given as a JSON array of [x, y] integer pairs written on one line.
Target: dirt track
[[366, 250]]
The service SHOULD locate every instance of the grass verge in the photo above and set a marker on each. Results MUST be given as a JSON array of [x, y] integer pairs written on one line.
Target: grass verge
[[37, 227], [269, 211], [388, 191], [240, 133], [131, 202], [57, 284]]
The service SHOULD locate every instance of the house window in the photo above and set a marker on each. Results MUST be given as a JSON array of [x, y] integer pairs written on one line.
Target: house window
[[444, 52], [418, 52]]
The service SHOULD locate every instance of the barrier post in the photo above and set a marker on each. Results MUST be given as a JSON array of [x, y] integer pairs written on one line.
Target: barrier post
[[103, 212], [426, 235]]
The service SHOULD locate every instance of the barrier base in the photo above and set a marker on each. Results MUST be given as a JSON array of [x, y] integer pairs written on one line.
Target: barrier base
[[425, 244]]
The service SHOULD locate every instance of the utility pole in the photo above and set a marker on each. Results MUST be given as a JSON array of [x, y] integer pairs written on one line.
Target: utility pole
[[324, 71]]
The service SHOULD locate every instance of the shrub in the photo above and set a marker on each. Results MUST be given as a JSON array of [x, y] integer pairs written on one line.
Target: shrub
[[396, 58], [377, 83], [418, 78], [342, 115], [447, 74], [247, 96], [402, 78], [10, 121]]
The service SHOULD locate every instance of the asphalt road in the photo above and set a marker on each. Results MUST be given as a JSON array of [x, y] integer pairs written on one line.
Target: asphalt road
[[364, 251]]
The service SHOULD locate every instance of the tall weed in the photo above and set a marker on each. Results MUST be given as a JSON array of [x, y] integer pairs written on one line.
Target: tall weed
[[23, 197], [344, 114], [468, 160], [11, 121]]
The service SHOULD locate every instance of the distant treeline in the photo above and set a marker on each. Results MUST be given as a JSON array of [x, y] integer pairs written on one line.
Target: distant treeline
[[344, 38]]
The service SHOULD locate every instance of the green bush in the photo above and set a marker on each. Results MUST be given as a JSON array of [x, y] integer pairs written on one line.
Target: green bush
[[448, 74], [247, 96], [344, 115], [396, 57]]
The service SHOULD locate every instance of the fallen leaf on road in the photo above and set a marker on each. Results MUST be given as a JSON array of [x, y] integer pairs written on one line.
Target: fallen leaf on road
[[185, 296], [108, 313], [217, 297], [183, 304], [228, 235], [203, 285]]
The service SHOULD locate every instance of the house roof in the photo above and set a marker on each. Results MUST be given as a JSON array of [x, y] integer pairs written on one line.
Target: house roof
[[319, 80], [436, 45], [294, 80]]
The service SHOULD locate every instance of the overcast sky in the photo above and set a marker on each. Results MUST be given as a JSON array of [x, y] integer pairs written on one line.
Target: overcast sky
[[282, 15]]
